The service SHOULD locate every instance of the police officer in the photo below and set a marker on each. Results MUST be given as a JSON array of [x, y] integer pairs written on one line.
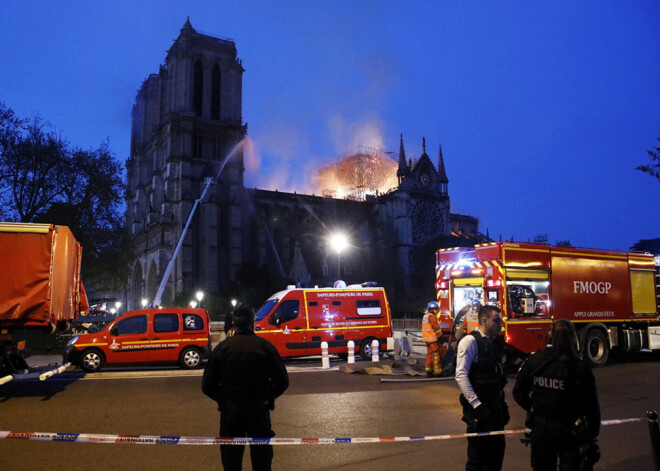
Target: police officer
[[480, 376], [556, 387], [432, 336], [244, 376]]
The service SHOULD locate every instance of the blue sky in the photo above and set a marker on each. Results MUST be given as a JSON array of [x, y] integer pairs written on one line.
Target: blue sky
[[543, 109]]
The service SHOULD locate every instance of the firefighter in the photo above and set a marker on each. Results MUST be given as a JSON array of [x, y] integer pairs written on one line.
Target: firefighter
[[558, 390], [433, 337], [244, 376], [480, 376]]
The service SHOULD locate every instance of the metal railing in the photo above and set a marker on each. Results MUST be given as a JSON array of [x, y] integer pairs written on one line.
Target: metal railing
[[406, 324]]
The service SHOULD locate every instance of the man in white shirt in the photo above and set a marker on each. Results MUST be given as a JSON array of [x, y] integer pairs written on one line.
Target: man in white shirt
[[480, 375]]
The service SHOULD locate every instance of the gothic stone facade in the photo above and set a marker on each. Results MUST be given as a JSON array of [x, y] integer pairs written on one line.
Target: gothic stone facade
[[185, 121]]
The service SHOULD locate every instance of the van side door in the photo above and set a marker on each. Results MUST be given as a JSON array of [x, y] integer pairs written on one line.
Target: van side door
[[165, 338]]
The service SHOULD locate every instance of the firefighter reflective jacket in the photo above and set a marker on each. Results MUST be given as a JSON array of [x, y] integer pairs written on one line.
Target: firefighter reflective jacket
[[431, 331]]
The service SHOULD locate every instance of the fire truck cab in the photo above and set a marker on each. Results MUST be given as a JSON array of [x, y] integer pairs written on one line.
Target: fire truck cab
[[611, 297]]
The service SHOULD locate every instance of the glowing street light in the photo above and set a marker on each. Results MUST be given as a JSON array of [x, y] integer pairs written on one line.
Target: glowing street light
[[234, 303], [118, 305], [199, 295], [338, 243], [144, 302], [113, 310], [193, 304]]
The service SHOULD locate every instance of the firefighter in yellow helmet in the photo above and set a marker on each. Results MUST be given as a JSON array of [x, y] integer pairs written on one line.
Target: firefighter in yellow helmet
[[433, 337]]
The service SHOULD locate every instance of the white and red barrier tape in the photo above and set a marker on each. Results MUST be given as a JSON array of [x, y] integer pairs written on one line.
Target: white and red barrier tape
[[173, 440]]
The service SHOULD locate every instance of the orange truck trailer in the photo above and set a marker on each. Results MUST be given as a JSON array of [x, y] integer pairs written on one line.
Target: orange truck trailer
[[40, 287], [610, 296]]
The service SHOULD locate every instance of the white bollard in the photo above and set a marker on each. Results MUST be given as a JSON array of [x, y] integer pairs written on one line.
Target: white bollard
[[351, 351], [51, 373], [325, 360], [6, 379], [374, 350]]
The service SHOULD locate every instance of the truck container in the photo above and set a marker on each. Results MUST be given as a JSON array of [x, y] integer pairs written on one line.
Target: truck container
[[41, 286]]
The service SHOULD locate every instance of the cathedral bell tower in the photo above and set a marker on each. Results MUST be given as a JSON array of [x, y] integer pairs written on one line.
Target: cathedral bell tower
[[186, 119]]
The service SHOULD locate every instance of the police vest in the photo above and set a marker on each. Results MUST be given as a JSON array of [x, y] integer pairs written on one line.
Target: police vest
[[428, 334], [486, 373], [554, 394]]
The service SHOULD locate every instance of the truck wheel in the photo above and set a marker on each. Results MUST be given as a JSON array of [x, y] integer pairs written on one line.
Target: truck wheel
[[365, 349], [92, 360], [190, 358], [595, 350]]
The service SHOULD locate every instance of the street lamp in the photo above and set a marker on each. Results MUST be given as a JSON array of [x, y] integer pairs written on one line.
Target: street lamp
[[144, 302], [338, 243], [118, 305], [112, 310], [199, 295], [233, 303], [193, 304]]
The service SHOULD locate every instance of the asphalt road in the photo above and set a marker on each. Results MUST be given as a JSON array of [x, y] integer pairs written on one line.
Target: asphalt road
[[318, 404]]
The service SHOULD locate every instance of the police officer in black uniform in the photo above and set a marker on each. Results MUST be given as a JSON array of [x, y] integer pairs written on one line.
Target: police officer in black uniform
[[480, 376], [244, 376], [558, 390]]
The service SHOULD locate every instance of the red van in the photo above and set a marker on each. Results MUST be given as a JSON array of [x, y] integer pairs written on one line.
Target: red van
[[297, 320], [155, 335]]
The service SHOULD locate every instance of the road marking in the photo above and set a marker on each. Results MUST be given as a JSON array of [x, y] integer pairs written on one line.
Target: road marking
[[173, 373]]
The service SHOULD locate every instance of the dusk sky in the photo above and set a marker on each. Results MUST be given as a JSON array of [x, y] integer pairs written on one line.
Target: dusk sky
[[543, 109]]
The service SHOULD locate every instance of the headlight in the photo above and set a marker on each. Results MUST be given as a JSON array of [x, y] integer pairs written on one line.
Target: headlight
[[72, 341]]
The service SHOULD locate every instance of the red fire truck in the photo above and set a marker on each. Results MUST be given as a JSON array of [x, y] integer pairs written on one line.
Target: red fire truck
[[610, 296]]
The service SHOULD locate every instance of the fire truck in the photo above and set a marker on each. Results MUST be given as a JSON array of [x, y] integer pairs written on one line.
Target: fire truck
[[610, 296]]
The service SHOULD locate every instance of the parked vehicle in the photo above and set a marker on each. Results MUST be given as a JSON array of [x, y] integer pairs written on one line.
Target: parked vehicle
[[297, 320], [92, 322], [612, 297], [40, 288], [167, 335]]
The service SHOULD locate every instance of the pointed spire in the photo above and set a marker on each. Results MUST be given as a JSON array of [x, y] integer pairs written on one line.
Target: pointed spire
[[402, 171], [423, 146], [441, 166], [187, 27]]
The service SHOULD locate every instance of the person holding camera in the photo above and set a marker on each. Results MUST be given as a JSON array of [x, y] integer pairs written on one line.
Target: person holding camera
[[558, 390]]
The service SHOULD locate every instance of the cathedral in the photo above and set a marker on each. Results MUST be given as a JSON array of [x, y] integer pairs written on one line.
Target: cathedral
[[187, 141]]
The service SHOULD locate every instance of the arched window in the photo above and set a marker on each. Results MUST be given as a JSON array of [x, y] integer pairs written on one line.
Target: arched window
[[198, 88], [216, 83]]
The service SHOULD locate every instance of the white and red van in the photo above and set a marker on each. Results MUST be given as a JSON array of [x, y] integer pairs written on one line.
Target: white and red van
[[297, 320], [155, 335]]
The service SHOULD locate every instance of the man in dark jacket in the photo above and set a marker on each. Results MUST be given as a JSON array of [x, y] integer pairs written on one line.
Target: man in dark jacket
[[244, 376], [556, 387]]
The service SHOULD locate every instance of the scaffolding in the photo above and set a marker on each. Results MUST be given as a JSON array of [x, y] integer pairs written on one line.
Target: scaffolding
[[362, 171]]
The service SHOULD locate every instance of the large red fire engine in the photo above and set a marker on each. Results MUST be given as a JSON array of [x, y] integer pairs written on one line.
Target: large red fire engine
[[612, 297]]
